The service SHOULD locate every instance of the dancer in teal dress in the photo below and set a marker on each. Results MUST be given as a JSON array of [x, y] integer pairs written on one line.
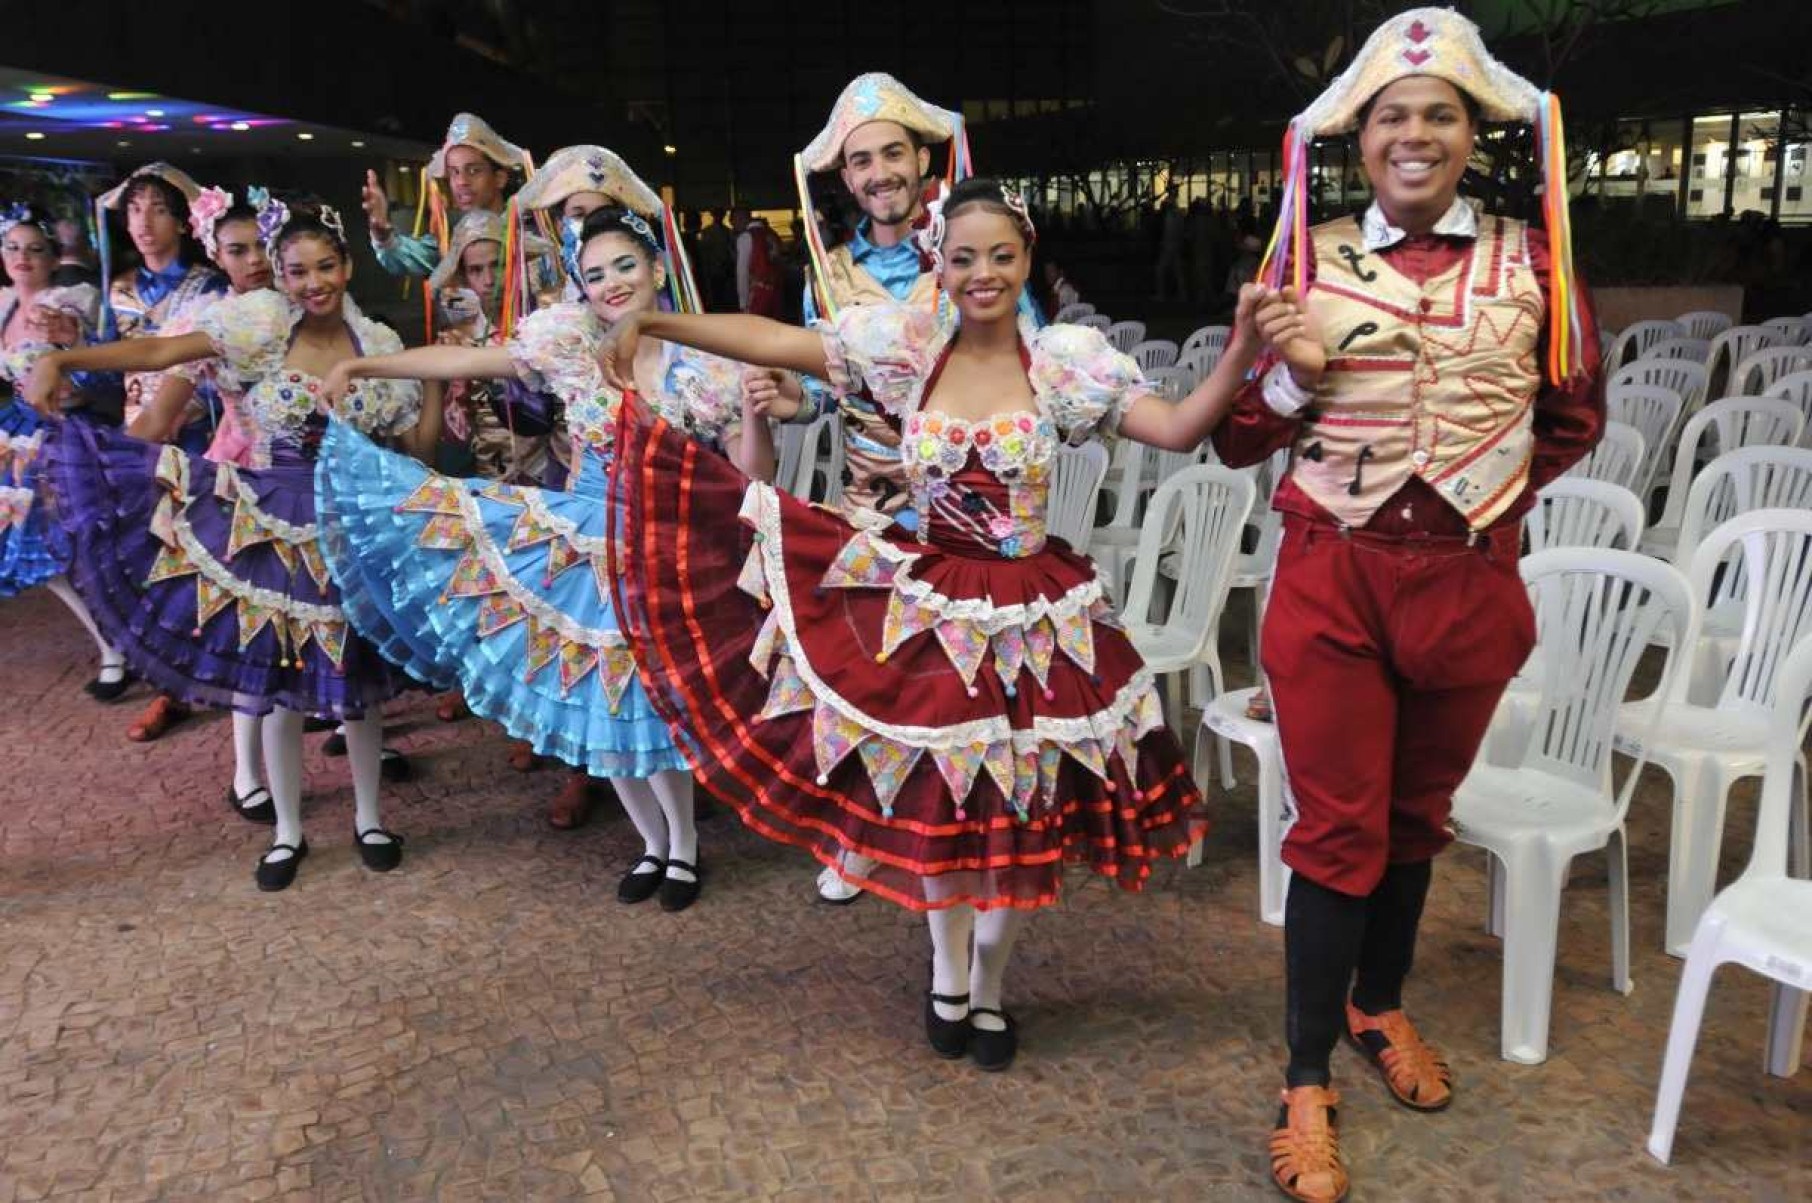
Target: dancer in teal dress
[[501, 590]]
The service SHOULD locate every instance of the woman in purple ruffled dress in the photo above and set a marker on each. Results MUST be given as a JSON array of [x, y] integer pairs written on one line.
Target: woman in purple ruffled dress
[[210, 576]]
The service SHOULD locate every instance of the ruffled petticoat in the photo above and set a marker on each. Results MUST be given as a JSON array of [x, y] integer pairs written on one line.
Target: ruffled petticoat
[[32, 546], [497, 589], [968, 722], [209, 578]]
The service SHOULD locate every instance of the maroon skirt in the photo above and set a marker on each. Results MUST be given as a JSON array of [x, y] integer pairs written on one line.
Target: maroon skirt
[[968, 723]]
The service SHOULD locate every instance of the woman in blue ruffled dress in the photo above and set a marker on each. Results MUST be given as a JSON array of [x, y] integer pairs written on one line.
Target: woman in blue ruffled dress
[[209, 576], [35, 319], [502, 590]]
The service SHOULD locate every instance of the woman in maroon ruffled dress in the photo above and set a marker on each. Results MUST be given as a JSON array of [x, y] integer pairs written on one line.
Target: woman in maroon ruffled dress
[[956, 705]]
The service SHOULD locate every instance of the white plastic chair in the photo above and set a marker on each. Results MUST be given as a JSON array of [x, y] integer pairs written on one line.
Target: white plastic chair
[[1617, 458], [1224, 719], [1113, 543], [1760, 369], [1734, 423], [1171, 383], [1750, 478], [1731, 348], [1794, 331], [1574, 512], [790, 445], [1570, 511], [1655, 411], [1596, 611], [1759, 920], [1073, 312], [1076, 474], [1685, 377], [1797, 388], [1095, 321], [1694, 349], [1199, 363], [1207, 506], [1208, 338], [1125, 335], [1705, 323], [1637, 337], [1705, 749], [817, 467], [1154, 353]]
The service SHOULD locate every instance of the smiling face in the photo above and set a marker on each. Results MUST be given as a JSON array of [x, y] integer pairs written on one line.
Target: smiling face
[[29, 257], [1417, 136], [619, 275], [474, 181], [986, 262], [154, 226], [240, 254], [315, 273], [884, 170]]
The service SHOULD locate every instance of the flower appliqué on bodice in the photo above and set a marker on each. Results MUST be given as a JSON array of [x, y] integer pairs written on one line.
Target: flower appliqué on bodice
[[1016, 449]]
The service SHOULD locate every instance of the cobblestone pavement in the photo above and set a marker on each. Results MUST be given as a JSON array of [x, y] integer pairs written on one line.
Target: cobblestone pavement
[[488, 1023]]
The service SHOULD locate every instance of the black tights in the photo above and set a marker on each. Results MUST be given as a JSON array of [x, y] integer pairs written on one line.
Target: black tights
[[1333, 939]]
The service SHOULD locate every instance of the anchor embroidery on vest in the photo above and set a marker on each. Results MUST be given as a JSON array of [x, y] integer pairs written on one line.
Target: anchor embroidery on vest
[[1352, 258], [1359, 331], [1365, 453]]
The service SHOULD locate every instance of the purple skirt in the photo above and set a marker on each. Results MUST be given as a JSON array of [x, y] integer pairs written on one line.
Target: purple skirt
[[209, 578]]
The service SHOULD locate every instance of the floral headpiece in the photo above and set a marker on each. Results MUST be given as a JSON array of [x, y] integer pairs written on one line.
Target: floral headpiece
[[212, 204], [572, 228], [21, 214], [931, 237]]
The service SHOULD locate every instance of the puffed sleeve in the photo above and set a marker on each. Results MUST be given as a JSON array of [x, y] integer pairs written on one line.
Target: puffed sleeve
[[555, 350], [188, 322], [250, 333], [883, 351], [382, 407], [709, 387], [1081, 381]]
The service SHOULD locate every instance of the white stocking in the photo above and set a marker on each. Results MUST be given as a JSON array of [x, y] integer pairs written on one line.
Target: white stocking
[[673, 790], [951, 929], [113, 665], [365, 757], [995, 932], [282, 738], [248, 750], [644, 810]]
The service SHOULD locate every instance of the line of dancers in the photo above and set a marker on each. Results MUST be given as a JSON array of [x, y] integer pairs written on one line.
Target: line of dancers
[[919, 687]]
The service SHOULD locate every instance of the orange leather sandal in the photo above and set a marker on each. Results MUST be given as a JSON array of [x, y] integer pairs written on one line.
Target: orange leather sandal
[[1418, 1076], [1305, 1148]]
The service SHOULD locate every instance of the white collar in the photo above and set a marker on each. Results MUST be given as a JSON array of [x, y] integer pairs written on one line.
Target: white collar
[[1460, 221]]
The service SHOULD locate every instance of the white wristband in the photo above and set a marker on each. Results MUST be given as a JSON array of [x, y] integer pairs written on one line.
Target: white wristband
[[1282, 393]]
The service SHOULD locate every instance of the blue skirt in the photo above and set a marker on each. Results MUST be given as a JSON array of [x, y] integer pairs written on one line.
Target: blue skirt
[[499, 590], [33, 547]]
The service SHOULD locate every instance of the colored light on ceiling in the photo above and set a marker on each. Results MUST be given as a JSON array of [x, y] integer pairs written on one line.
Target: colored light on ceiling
[[241, 125], [35, 136], [132, 96]]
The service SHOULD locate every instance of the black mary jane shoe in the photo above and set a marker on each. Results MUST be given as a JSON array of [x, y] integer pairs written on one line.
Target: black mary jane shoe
[[334, 744], [255, 807], [676, 894], [109, 691], [640, 887], [274, 875], [312, 723], [992, 1051], [379, 855], [949, 1038], [393, 766]]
